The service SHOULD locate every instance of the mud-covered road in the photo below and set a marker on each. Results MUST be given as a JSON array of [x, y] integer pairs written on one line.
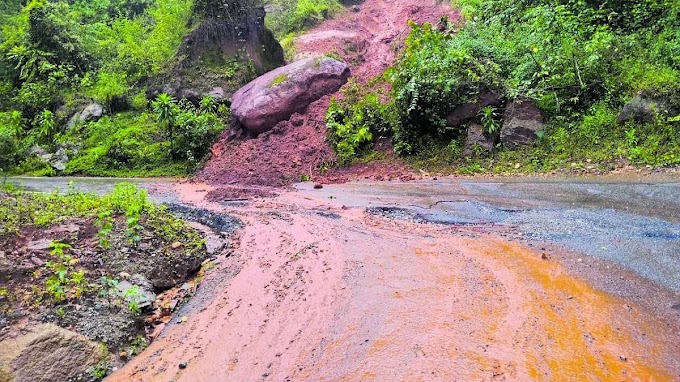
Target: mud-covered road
[[512, 279], [481, 279]]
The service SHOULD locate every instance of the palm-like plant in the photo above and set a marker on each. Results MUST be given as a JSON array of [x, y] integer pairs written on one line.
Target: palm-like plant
[[164, 107], [46, 126]]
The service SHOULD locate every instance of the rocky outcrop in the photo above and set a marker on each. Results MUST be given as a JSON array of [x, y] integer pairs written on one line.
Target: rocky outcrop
[[477, 142], [47, 353], [58, 160], [644, 110], [522, 121], [277, 95], [227, 49], [465, 113], [91, 112]]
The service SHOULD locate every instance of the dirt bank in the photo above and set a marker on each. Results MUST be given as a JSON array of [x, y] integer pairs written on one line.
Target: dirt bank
[[368, 40], [317, 291]]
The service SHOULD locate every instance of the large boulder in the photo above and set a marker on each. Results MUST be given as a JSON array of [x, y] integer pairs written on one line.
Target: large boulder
[[522, 121], [91, 112], [644, 110], [463, 114], [47, 353], [277, 95]]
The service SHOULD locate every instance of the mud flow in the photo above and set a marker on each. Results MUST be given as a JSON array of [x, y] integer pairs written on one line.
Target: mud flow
[[325, 286]]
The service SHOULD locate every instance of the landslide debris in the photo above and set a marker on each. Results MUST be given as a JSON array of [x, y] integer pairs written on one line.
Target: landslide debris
[[89, 279]]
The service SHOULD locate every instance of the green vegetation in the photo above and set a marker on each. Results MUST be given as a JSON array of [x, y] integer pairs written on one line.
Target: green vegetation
[[279, 79], [355, 121], [291, 16], [579, 61], [19, 209], [57, 56], [69, 277]]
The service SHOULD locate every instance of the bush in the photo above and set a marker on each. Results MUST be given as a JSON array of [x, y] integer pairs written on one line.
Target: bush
[[436, 73], [10, 144], [297, 15], [353, 123]]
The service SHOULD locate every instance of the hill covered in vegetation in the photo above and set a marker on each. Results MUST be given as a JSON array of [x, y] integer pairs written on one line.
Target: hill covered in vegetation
[[128, 87], [605, 77]]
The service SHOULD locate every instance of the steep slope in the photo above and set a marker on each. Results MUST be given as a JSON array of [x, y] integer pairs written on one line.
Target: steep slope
[[368, 37]]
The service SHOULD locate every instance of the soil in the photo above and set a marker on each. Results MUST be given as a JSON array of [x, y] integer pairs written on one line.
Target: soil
[[320, 291], [295, 150], [164, 271]]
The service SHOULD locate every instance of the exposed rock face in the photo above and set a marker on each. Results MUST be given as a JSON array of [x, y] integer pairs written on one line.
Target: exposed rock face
[[469, 111], [46, 353], [91, 112], [521, 123], [478, 141], [277, 95], [644, 110], [232, 33]]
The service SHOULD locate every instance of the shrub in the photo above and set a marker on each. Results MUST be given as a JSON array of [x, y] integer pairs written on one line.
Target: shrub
[[296, 15], [436, 73], [353, 123]]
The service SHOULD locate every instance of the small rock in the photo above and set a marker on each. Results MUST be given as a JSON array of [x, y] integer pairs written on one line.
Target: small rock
[[623, 358], [123, 355], [39, 245], [544, 256], [182, 365], [37, 261], [318, 186], [355, 8], [176, 245]]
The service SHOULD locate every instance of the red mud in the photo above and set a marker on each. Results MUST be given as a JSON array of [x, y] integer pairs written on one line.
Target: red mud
[[296, 149], [346, 296]]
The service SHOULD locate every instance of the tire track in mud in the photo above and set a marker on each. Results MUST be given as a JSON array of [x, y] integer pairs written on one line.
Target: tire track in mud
[[347, 296]]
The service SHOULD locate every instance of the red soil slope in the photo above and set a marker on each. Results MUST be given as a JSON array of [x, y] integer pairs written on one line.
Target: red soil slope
[[368, 38]]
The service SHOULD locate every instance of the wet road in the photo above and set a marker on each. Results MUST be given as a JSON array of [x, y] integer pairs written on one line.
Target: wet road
[[633, 223], [455, 279]]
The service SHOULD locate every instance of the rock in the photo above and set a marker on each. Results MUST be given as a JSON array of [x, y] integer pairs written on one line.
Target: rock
[[318, 186], [37, 151], [182, 365], [469, 111], [91, 112], [216, 92], [521, 123], [355, 8], [231, 34], [477, 142], [144, 296], [39, 245], [644, 110], [277, 95], [47, 353], [59, 160]]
